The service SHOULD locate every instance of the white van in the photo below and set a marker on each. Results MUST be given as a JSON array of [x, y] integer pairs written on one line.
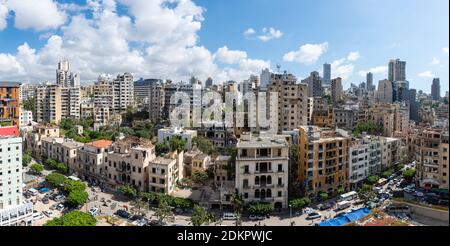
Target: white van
[[229, 216], [33, 192]]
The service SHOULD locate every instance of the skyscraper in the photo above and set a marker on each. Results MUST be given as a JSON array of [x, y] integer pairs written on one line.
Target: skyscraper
[[369, 82], [64, 77], [336, 90], [397, 70], [264, 78], [208, 82], [436, 89], [326, 74], [314, 82], [385, 91]]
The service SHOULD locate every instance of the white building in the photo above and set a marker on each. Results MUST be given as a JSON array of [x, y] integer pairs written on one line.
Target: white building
[[365, 160], [12, 209], [123, 92], [164, 136], [26, 117], [70, 102], [262, 167], [390, 152]]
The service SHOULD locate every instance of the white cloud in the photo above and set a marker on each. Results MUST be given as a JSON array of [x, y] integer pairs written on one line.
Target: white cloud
[[353, 56], [307, 54], [249, 32], [227, 56], [427, 74], [435, 61], [36, 14], [269, 34], [157, 38], [382, 70], [445, 50], [3, 16]]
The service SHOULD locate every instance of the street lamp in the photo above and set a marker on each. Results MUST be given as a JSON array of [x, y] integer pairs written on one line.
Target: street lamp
[[290, 214]]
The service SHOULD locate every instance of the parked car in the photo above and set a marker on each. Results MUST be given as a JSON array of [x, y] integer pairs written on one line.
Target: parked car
[[45, 201], [157, 223], [229, 216], [313, 215], [60, 207], [324, 206], [122, 213], [37, 216], [59, 198], [53, 207], [48, 213], [93, 211], [140, 222]]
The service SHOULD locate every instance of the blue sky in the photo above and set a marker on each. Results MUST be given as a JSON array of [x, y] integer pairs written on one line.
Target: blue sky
[[374, 31]]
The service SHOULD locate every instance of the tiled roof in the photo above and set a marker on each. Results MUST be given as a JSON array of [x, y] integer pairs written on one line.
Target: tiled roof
[[11, 131], [101, 143]]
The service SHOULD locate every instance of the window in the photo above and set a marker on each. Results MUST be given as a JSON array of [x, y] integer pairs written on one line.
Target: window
[[246, 195], [246, 169], [139, 170], [280, 167]]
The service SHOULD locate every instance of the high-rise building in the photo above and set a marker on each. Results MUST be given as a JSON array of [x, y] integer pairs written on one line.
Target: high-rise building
[[397, 70], [336, 90], [323, 161], [12, 209], [48, 103], [326, 74], [123, 91], [385, 91], [292, 101], [208, 82], [369, 82], [314, 83], [436, 89], [364, 159], [70, 102], [10, 103], [262, 168], [264, 78], [64, 77], [400, 91]]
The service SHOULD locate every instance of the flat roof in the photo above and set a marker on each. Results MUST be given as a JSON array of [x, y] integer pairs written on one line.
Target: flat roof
[[262, 142], [9, 84], [162, 161]]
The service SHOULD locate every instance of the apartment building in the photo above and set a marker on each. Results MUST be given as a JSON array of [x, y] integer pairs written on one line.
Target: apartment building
[[26, 117], [314, 83], [337, 91], [27, 91], [345, 117], [165, 134], [432, 157], [156, 101], [390, 152], [128, 163], [292, 101], [323, 161], [33, 139], [165, 172], [195, 161], [70, 102], [90, 163], [323, 118], [391, 117], [221, 168], [123, 92], [10, 103], [364, 160], [61, 150], [87, 109], [315, 104], [48, 103], [262, 168]]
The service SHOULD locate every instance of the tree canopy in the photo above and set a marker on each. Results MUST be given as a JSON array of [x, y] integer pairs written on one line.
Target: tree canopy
[[409, 174], [260, 208], [300, 203], [200, 216], [368, 127], [128, 191], [37, 168], [74, 218], [205, 145], [55, 179]]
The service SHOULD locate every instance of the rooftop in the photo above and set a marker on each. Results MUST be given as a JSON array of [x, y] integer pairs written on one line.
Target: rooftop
[[11, 131], [162, 161], [135, 142], [9, 84], [100, 143], [262, 142]]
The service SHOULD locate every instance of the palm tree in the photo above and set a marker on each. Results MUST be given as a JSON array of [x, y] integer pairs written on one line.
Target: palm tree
[[238, 206]]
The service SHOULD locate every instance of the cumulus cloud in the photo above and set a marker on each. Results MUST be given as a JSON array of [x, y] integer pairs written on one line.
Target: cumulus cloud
[[3, 15], [445, 50], [267, 34], [36, 14], [353, 56], [156, 38], [344, 67], [435, 61], [427, 74], [249, 32], [307, 54], [382, 70]]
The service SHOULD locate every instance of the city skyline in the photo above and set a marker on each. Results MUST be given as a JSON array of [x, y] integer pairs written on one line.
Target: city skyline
[[182, 39]]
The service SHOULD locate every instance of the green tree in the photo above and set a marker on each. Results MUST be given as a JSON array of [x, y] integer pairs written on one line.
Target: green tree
[[62, 168], [164, 212], [200, 177], [205, 145], [51, 163], [372, 180], [368, 127], [340, 191], [366, 193], [55, 179], [128, 191], [162, 149], [177, 144], [73, 185], [323, 196], [409, 174], [387, 174], [74, 218], [300, 203], [26, 158], [151, 198], [30, 105], [77, 198], [200, 216], [37, 168], [181, 203], [260, 208]]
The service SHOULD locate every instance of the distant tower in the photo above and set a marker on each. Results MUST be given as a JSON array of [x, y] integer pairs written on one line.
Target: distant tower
[[369, 82], [326, 74], [436, 89], [397, 70]]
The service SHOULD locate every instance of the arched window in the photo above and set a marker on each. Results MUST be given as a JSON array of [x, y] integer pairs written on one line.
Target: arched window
[[128, 167], [256, 180], [263, 194], [257, 193], [269, 180], [263, 181], [269, 193]]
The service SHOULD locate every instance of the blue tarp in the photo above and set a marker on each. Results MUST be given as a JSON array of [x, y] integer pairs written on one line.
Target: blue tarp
[[347, 218]]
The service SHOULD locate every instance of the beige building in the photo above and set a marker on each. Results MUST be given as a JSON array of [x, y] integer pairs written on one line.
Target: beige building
[[195, 161], [165, 172], [393, 118], [91, 159], [61, 150], [390, 152], [292, 101], [48, 104], [33, 139], [262, 168], [221, 168], [337, 91], [323, 161]]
